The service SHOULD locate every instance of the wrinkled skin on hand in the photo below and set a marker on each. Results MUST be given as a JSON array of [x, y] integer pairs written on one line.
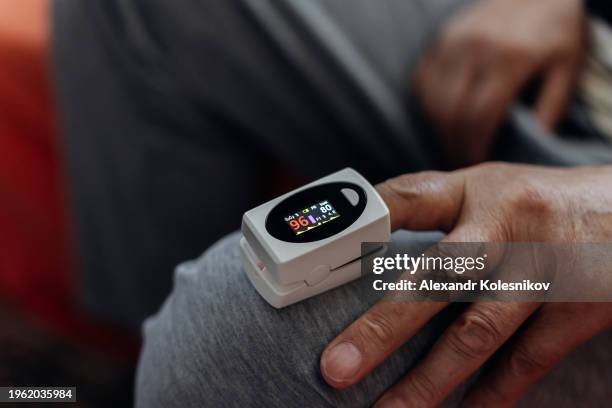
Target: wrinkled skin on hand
[[487, 203]]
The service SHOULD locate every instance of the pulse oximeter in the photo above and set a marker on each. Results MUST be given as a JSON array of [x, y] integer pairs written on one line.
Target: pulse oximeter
[[309, 240]]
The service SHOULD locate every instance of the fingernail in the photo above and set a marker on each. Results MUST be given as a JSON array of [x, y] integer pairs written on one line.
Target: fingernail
[[392, 402], [341, 362]]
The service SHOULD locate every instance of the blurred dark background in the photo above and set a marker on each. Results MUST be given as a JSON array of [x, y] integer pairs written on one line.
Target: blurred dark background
[[44, 338]]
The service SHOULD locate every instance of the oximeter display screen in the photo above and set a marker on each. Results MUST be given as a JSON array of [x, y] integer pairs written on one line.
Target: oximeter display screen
[[327, 208], [311, 217]]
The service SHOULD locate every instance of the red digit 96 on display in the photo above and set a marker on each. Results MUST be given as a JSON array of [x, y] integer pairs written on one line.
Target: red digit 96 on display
[[300, 222]]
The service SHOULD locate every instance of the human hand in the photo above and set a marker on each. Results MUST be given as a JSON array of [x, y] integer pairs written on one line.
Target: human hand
[[484, 57], [486, 203]]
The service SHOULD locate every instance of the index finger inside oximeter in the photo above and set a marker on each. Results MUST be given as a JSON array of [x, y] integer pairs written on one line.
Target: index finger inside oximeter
[[309, 240]]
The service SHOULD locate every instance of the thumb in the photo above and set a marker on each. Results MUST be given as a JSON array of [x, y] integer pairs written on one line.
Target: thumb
[[424, 201], [555, 94]]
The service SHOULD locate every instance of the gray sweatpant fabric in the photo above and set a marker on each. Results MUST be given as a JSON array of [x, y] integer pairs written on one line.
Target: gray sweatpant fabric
[[178, 115], [217, 343]]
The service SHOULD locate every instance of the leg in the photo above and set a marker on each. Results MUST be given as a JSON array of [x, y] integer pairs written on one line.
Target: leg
[[582, 379], [215, 342]]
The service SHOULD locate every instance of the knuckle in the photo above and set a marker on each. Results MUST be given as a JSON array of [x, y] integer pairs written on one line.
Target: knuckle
[[476, 334], [525, 362], [512, 48], [422, 390], [516, 50], [477, 39], [377, 330], [495, 393], [493, 165], [412, 187], [531, 199]]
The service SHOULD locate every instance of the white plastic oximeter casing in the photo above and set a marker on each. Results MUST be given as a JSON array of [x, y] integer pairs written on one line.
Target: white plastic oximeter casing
[[309, 240]]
